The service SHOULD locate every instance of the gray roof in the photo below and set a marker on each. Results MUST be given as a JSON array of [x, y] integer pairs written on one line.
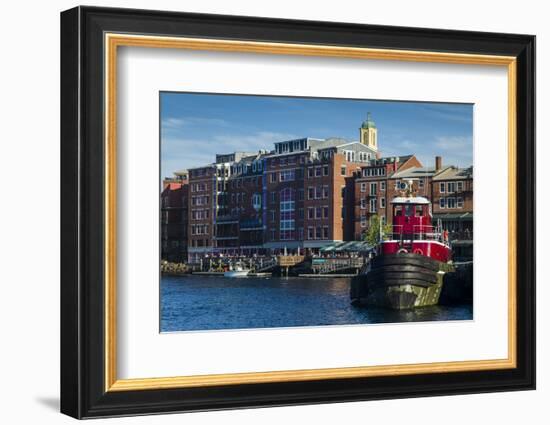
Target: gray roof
[[414, 172], [342, 144], [455, 173], [253, 157], [237, 156], [331, 142]]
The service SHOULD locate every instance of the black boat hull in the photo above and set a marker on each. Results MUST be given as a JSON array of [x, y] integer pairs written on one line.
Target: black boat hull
[[400, 281]]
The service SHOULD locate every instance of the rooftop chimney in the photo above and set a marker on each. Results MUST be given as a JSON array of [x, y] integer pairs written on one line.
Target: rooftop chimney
[[438, 161]]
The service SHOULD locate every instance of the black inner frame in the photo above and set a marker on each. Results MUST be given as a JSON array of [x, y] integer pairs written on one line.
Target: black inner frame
[[82, 208]]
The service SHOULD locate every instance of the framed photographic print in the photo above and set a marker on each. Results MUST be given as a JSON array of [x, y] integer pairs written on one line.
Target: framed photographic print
[[261, 212]]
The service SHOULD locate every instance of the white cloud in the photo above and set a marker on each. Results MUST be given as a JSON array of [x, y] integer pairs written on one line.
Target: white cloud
[[171, 123], [179, 152], [454, 143]]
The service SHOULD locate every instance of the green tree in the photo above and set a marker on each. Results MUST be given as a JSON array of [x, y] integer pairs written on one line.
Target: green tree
[[372, 235]]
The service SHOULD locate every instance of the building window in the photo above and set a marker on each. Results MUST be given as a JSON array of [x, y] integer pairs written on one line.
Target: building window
[[310, 172], [310, 213], [459, 202], [363, 187], [318, 213], [343, 170], [318, 171], [421, 184], [363, 220], [441, 187], [325, 232], [451, 187], [272, 214], [273, 178], [318, 192], [256, 201], [325, 212], [310, 234], [325, 170], [373, 189], [363, 203], [325, 192], [310, 192], [442, 203], [318, 232], [451, 202], [287, 207], [382, 186], [372, 205], [382, 202], [287, 176], [459, 186]]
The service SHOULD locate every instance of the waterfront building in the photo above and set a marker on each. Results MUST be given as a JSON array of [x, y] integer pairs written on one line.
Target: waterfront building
[[452, 200], [450, 191], [373, 190], [240, 230], [307, 198], [301, 196], [174, 201]]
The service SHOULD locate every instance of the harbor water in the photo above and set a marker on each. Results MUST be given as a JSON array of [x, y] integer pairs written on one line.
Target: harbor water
[[194, 303]]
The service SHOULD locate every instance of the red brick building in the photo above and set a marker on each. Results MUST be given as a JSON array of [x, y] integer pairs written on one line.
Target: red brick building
[[373, 190], [174, 218], [301, 196], [202, 197], [453, 198]]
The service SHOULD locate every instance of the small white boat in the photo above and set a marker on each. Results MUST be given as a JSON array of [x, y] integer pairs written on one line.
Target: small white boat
[[236, 271]]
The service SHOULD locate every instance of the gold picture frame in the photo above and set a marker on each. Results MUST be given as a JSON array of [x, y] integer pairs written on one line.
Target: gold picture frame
[[114, 41]]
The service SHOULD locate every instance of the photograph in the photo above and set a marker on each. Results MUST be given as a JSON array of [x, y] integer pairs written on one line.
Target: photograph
[[281, 211]]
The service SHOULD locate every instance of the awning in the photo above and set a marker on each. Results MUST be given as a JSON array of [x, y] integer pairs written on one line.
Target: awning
[[454, 216], [351, 246]]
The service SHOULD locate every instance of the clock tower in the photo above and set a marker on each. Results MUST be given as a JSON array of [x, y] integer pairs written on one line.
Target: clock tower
[[368, 133]]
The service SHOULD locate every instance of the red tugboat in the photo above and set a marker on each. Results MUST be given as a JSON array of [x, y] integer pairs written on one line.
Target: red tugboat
[[410, 262]]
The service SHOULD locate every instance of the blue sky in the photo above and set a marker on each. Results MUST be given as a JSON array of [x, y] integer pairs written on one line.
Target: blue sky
[[194, 127]]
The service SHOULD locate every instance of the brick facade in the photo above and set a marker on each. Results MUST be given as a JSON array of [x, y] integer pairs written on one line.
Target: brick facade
[[174, 220], [301, 196], [374, 189]]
